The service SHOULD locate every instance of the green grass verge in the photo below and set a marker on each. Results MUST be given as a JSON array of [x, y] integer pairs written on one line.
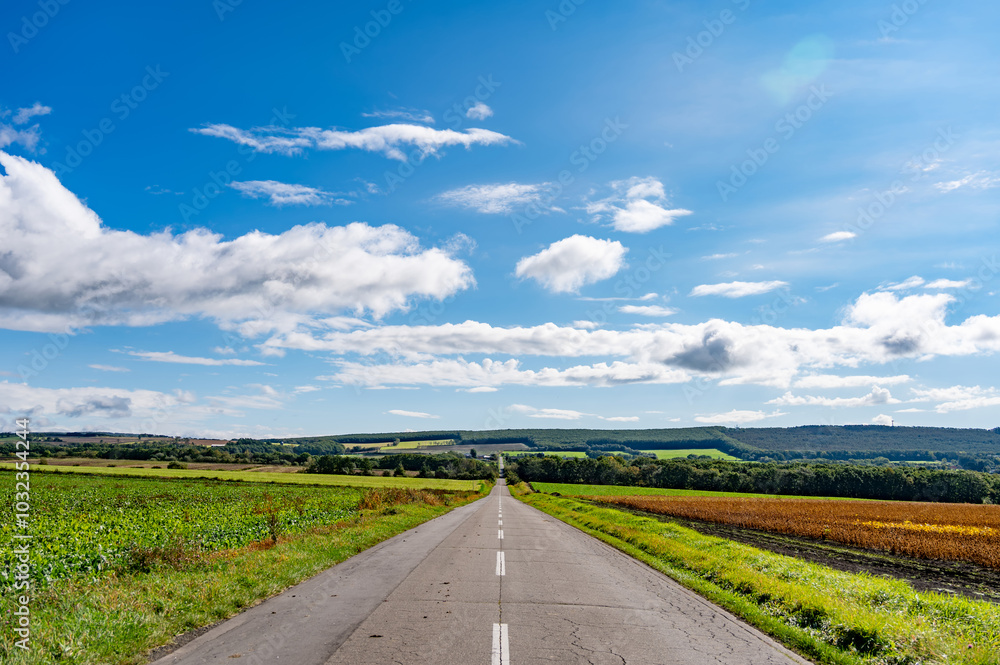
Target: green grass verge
[[714, 453], [831, 617], [116, 619], [572, 489], [266, 477]]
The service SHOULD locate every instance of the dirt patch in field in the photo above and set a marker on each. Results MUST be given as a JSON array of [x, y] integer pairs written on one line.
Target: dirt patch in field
[[949, 577]]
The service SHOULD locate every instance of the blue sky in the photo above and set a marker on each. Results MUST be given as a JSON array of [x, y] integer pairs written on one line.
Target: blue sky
[[227, 218]]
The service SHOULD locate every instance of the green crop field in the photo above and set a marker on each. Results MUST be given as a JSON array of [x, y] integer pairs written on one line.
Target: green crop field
[[87, 524], [571, 489], [265, 477], [714, 453], [120, 564]]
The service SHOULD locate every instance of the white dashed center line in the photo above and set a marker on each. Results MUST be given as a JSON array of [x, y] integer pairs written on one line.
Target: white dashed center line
[[501, 651], [500, 534], [501, 564]]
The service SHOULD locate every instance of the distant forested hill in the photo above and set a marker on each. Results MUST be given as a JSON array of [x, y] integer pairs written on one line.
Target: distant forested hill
[[868, 439]]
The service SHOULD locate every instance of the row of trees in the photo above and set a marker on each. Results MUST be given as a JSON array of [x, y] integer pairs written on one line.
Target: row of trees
[[448, 465], [807, 479]]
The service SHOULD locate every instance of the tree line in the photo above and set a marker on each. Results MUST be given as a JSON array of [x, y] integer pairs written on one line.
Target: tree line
[[447, 465], [805, 479]]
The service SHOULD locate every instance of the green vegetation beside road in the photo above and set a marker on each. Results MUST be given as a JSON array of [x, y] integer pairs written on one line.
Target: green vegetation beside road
[[831, 617], [121, 565]]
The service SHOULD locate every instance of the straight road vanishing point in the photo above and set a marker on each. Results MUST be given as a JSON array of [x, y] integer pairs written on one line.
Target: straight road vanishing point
[[450, 592]]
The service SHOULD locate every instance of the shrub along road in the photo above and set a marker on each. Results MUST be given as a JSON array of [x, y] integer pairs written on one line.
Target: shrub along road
[[496, 581]]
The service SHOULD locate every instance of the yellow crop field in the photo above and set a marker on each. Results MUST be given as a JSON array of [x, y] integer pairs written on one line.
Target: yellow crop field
[[949, 531]]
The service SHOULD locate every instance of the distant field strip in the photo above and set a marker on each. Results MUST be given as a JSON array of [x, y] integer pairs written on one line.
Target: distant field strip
[[961, 532], [265, 477], [714, 453], [413, 445], [572, 489]]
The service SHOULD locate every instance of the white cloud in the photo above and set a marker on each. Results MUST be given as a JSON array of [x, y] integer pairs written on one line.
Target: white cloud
[[23, 115], [980, 180], [71, 271], [479, 111], [586, 325], [114, 409], [482, 389], [412, 115], [301, 390], [647, 310], [171, 357], [834, 381], [568, 264], [906, 285], [719, 257], [882, 419], [637, 206], [411, 414], [554, 414], [736, 417], [622, 419], [490, 373], [281, 194], [877, 329], [498, 199], [389, 140], [838, 236], [109, 368], [736, 289], [940, 284], [958, 398], [27, 138], [876, 396]]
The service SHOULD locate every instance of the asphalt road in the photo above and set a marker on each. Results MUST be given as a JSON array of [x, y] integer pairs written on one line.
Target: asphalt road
[[493, 582]]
